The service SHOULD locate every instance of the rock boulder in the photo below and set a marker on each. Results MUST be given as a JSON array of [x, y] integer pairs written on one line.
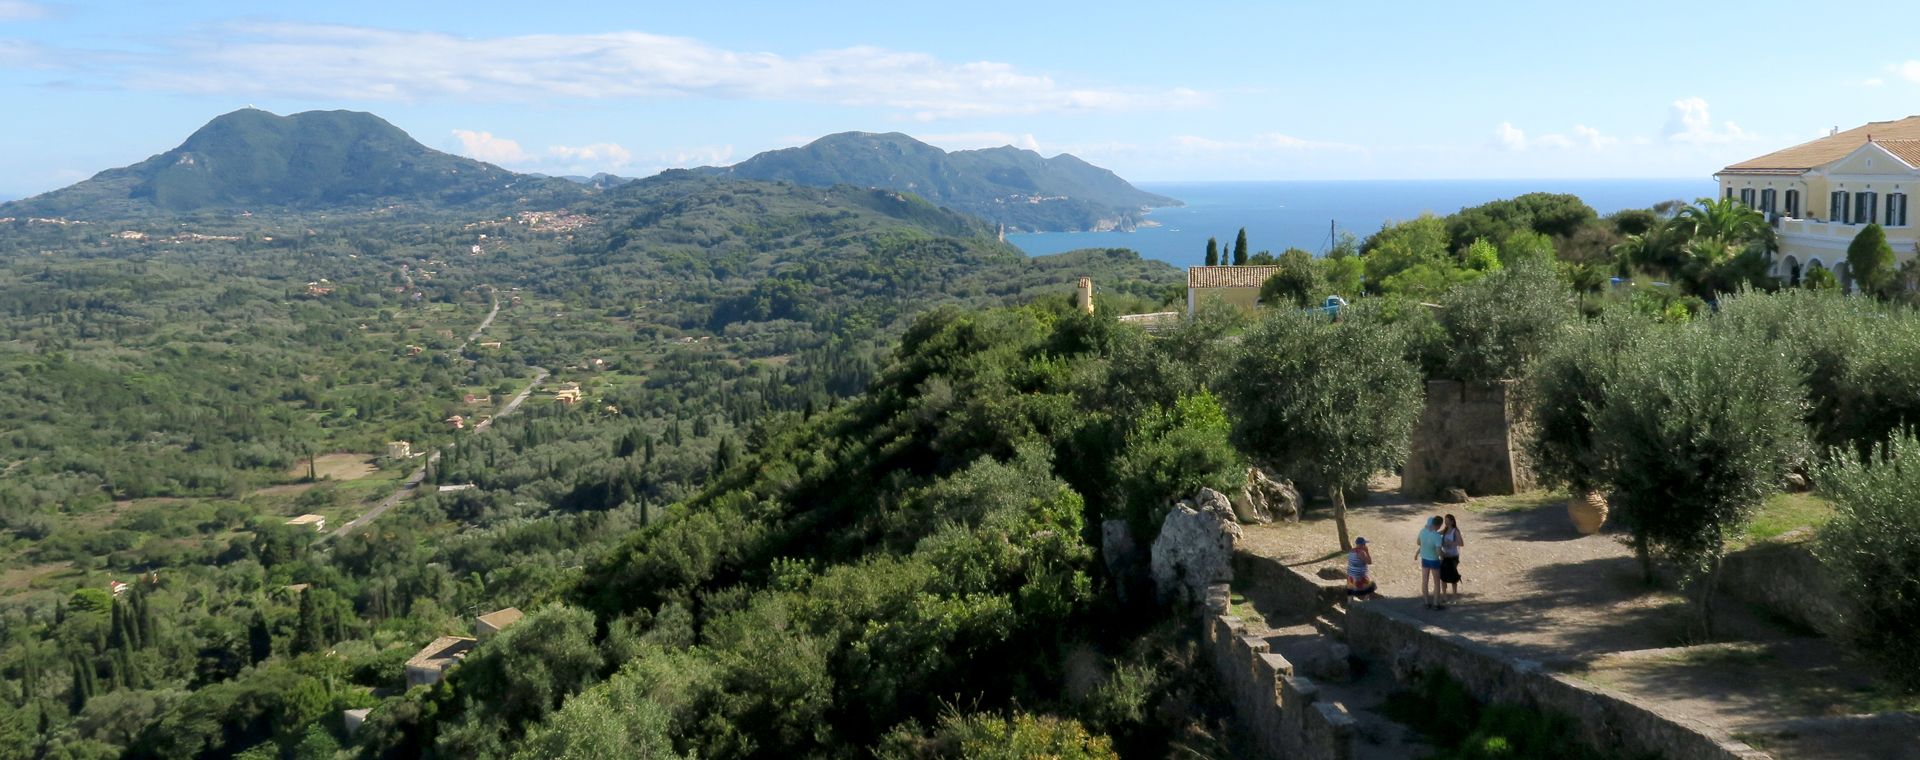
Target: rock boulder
[[1194, 549], [1264, 499]]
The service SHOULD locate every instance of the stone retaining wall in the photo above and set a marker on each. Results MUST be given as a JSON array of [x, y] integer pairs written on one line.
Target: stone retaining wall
[[1784, 578], [1296, 590], [1604, 718], [1281, 711]]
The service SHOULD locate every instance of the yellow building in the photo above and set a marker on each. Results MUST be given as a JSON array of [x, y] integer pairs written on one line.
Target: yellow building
[[1236, 286], [1819, 194]]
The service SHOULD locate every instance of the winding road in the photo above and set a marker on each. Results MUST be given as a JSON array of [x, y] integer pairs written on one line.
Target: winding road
[[412, 483]]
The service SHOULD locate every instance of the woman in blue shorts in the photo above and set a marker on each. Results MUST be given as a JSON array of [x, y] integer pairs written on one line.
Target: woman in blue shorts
[[1431, 540]]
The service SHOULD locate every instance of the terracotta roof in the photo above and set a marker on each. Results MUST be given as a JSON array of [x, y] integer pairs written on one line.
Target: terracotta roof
[[1831, 148], [1229, 277], [502, 618], [1905, 150], [442, 650]]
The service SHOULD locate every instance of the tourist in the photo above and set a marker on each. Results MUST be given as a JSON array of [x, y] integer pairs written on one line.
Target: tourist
[[1429, 555], [1450, 543], [1360, 584]]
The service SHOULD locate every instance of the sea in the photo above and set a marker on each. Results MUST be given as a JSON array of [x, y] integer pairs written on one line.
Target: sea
[[1301, 214]]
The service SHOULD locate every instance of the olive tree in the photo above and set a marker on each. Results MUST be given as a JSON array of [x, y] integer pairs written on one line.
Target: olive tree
[[1697, 427], [1873, 545], [1496, 325], [1326, 401], [1565, 392]]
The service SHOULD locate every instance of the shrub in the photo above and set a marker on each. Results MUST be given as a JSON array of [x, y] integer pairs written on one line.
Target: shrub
[[1872, 546], [983, 736], [1172, 454]]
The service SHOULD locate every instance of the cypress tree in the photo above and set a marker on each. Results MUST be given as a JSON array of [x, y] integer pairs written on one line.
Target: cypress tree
[[1213, 252], [1240, 249], [85, 683]]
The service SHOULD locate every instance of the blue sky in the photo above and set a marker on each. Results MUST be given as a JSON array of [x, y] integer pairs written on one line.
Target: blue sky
[[1243, 91]]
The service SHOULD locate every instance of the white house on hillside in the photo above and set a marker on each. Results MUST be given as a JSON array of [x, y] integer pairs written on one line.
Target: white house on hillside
[[1819, 194]]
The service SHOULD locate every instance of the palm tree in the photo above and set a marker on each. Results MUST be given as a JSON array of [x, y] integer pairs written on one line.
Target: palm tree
[[1709, 247], [1733, 224]]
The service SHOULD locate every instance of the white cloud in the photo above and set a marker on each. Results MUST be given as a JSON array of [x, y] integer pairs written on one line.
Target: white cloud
[[1506, 136], [486, 147], [1909, 71], [1592, 137], [976, 140], [1688, 121], [608, 155], [1872, 82], [1267, 142], [1509, 137], [19, 10], [360, 63]]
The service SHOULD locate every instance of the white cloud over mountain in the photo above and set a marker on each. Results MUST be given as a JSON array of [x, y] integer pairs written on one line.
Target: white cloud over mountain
[[362, 63]]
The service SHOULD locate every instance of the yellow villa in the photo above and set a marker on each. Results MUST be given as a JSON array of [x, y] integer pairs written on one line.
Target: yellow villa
[[1819, 194]]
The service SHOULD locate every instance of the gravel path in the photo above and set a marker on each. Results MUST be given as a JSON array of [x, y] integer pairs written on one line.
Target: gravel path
[[1538, 589]]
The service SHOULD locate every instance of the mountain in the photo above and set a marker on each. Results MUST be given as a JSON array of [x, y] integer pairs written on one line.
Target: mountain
[[251, 160], [1011, 186], [600, 181]]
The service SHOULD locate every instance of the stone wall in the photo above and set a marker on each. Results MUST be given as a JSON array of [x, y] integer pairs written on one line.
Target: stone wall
[[1783, 577], [1469, 436], [1604, 718], [1281, 711], [1295, 590]]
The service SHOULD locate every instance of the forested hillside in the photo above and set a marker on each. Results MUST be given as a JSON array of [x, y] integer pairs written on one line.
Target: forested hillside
[[254, 161], [170, 380], [1005, 185]]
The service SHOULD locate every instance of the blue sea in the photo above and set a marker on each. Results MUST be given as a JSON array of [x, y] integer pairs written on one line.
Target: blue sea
[[1280, 215]]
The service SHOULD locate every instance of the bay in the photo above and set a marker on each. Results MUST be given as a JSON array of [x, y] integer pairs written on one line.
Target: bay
[[1279, 215]]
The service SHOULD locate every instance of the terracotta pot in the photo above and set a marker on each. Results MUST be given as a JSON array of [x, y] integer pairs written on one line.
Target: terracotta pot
[[1588, 511]]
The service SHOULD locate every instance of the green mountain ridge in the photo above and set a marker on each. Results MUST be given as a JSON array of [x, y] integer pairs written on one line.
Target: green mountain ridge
[[252, 160], [1015, 187]]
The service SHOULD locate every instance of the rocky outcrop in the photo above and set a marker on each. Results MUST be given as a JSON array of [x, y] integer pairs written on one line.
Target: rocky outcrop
[[1194, 549], [1263, 499]]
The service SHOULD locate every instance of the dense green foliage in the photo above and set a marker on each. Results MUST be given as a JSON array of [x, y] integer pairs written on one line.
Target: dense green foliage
[[1873, 547], [1565, 393], [168, 386], [1870, 261], [1006, 185]]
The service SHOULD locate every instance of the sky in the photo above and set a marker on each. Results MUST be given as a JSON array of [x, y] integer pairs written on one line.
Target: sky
[[1194, 91]]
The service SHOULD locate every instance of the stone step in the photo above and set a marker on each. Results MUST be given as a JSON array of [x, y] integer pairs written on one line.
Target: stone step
[[1331, 624]]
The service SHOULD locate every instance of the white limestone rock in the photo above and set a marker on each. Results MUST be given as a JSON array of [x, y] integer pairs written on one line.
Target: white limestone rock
[[1194, 549]]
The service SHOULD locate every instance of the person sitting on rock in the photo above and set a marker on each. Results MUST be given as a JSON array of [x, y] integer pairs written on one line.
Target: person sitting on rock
[[1360, 584]]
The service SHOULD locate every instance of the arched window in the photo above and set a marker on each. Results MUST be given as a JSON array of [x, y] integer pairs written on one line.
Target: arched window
[[1791, 270]]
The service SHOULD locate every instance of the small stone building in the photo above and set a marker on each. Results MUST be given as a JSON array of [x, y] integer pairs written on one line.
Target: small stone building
[[432, 663], [1236, 286], [399, 449], [1469, 436], [485, 626]]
